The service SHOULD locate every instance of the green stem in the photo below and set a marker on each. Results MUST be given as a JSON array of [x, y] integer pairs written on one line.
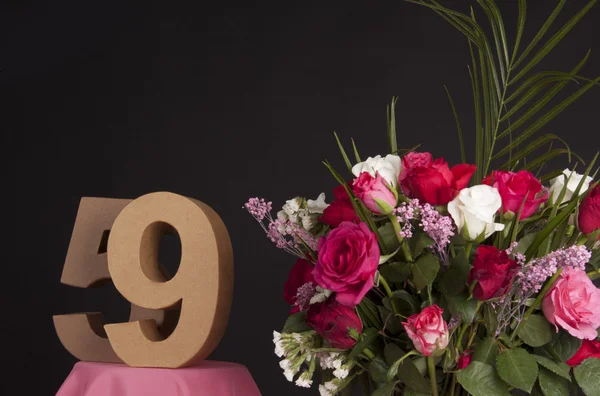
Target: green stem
[[594, 274], [453, 385], [369, 353], [446, 383], [388, 291], [402, 241], [468, 247], [536, 303], [463, 329], [432, 377]]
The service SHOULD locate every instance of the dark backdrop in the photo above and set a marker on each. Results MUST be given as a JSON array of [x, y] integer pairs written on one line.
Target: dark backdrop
[[217, 101]]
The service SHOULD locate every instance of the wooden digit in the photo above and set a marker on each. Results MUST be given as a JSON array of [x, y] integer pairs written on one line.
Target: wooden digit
[[203, 284], [86, 265]]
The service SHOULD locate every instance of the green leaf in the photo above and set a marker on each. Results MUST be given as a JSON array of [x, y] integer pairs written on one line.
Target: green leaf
[[535, 331], [392, 353], [463, 154], [378, 370], [558, 368], [296, 323], [520, 28], [391, 122], [419, 241], [367, 338], [425, 270], [368, 309], [486, 351], [454, 281], [480, 379], [587, 376], [518, 368], [550, 44], [552, 384], [384, 258], [410, 392], [464, 307], [409, 374], [391, 321], [356, 156], [406, 304], [566, 345], [386, 390], [388, 235], [343, 152], [395, 272]]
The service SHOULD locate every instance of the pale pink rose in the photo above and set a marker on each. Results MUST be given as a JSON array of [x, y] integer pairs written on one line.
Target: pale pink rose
[[428, 330], [573, 303], [368, 188]]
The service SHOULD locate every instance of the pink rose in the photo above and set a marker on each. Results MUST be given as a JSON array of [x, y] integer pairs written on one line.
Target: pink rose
[[573, 303], [518, 189], [300, 274], [430, 181], [589, 213], [348, 260], [428, 330], [332, 321], [368, 188]]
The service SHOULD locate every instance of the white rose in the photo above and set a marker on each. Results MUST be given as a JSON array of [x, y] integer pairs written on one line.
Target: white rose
[[574, 178], [318, 205], [388, 168], [474, 211]]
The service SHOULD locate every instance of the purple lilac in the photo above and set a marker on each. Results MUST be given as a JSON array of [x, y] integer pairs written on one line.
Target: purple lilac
[[304, 294]]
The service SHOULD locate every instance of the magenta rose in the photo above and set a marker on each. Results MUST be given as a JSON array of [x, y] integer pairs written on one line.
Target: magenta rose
[[333, 321], [340, 209], [494, 272], [588, 349], [300, 274], [368, 189], [347, 262], [432, 181], [428, 331], [573, 303], [518, 189], [589, 212]]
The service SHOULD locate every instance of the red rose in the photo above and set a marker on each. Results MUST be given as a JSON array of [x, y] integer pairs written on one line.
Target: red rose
[[589, 212], [300, 274], [332, 321], [432, 182], [340, 210], [588, 349], [368, 188], [464, 360], [518, 189], [494, 272]]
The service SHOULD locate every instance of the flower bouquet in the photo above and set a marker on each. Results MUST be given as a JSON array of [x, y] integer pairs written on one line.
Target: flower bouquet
[[420, 278]]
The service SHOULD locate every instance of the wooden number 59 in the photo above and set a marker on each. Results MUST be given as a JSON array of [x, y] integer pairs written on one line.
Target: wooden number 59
[[202, 285]]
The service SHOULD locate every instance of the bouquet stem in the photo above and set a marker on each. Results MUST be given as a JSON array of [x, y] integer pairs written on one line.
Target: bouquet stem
[[432, 377]]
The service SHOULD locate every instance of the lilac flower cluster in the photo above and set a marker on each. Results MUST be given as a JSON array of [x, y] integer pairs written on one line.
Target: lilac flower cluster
[[406, 213], [304, 294], [282, 232], [536, 272]]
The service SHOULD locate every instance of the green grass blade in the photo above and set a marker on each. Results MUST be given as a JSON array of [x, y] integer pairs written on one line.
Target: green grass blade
[[344, 155], [540, 34], [500, 23], [530, 148], [558, 36], [550, 175], [546, 118], [391, 120], [356, 156], [520, 28], [547, 97], [542, 159], [463, 154], [497, 38]]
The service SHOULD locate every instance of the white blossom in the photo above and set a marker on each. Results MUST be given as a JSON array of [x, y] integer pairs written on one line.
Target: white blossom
[[388, 168], [289, 375], [474, 211], [323, 391], [285, 364], [574, 178], [318, 205], [321, 296]]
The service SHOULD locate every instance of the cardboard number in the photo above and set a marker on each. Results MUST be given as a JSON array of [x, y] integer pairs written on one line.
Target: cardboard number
[[203, 284]]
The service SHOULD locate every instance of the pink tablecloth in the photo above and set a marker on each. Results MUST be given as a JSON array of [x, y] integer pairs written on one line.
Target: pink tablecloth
[[206, 379]]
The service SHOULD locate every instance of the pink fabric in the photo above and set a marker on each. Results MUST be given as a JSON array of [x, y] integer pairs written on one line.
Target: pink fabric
[[209, 378]]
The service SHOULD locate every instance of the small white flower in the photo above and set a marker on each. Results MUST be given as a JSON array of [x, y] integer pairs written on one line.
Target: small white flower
[[474, 210], [279, 350], [337, 363], [282, 216], [298, 337], [332, 385], [289, 375], [276, 336], [321, 295], [323, 391], [574, 178], [388, 168], [308, 221], [285, 364], [341, 373], [318, 205], [305, 380], [291, 208]]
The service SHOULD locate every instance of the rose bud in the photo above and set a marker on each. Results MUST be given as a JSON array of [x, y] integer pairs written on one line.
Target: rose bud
[[589, 214], [520, 189], [573, 303], [493, 271], [464, 360], [333, 322], [428, 331], [588, 349], [375, 193], [347, 262]]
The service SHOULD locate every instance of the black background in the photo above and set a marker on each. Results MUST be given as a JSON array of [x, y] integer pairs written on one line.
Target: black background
[[220, 102]]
